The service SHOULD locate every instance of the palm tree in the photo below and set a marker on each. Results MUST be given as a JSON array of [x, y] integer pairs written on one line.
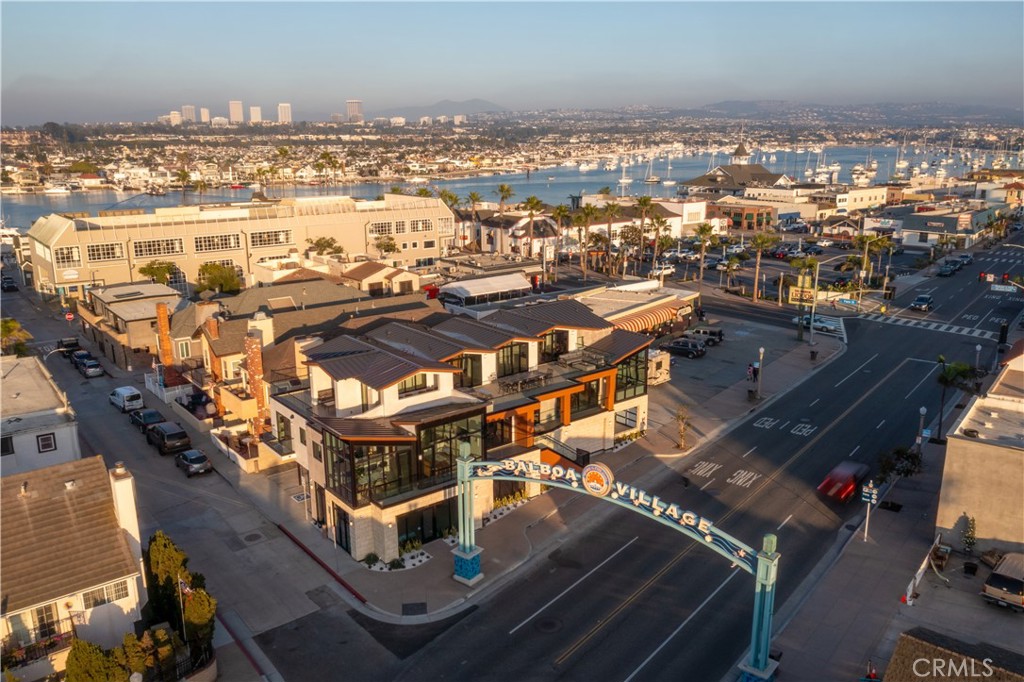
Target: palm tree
[[590, 214], [704, 233], [183, 176], [643, 205], [200, 187], [561, 215], [802, 265], [424, 192], [504, 192], [449, 198], [533, 206], [579, 221], [761, 242], [952, 375], [610, 212], [660, 227]]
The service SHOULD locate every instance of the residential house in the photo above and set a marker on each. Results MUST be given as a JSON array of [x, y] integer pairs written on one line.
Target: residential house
[[121, 320], [377, 279], [72, 563], [39, 426], [734, 178], [385, 417]]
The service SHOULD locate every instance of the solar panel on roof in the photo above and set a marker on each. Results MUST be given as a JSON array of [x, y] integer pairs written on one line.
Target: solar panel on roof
[[128, 294]]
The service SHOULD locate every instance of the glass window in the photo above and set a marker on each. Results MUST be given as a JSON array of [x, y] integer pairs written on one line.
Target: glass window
[[284, 428], [318, 452], [512, 359], [302, 435], [184, 349], [46, 442], [399, 227], [271, 238], [382, 229], [472, 370], [105, 594], [631, 377], [499, 432], [553, 344], [626, 418], [217, 242], [157, 247], [549, 416], [442, 444], [429, 244], [587, 399], [414, 384], [103, 252], [67, 256], [6, 445], [419, 225]]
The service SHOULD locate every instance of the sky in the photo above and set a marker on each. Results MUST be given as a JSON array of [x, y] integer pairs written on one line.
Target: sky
[[77, 62]]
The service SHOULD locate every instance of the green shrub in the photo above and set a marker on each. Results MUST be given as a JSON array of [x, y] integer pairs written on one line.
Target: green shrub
[[371, 559], [396, 564]]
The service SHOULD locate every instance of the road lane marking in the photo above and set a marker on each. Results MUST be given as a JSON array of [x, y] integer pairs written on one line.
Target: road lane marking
[[880, 424], [681, 626], [568, 589], [735, 509], [857, 370], [923, 379], [784, 425], [707, 484], [815, 401], [853, 451], [749, 451], [779, 527]]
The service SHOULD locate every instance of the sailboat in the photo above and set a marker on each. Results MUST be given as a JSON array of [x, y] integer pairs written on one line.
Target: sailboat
[[651, 178], [668, 181], [625, 180]]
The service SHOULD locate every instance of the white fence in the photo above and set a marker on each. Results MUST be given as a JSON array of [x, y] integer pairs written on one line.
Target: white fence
[[165, 394]]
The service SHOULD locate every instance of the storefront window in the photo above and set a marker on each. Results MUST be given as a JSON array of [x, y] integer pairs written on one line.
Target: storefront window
[[513, 359], [442, 444], [631, 377], [499, 432], [588, 399]]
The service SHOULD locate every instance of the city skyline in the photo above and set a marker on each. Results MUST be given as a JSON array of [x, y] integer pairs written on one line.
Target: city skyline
[[143, 60]]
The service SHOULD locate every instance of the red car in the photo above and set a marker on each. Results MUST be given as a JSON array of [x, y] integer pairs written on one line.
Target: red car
[[841, 483]]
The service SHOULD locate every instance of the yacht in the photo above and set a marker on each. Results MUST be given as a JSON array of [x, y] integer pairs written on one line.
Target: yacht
[[57, 189]]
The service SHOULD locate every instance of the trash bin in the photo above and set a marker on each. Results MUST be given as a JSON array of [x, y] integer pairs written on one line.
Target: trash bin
[[751, 395], [814, 355]]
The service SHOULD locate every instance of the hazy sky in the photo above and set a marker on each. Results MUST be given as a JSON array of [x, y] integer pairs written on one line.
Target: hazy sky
[[131, 61]]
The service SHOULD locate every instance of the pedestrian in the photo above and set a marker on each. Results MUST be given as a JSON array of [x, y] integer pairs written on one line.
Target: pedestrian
[[750, 372], [832, 304], [757, 370]]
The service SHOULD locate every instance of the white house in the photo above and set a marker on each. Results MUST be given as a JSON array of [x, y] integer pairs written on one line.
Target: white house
[[39, 427]]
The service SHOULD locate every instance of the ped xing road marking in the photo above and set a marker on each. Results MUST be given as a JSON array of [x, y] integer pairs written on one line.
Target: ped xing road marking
[[681, 626], [571, 587], [704, 468], [745, 502]]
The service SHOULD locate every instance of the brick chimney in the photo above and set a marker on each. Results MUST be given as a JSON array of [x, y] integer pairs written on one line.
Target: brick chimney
[[163, 334], [254, 367], [212, 325]]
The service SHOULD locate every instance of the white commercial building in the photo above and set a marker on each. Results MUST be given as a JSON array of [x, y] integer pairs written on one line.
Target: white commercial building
[[284, 113]]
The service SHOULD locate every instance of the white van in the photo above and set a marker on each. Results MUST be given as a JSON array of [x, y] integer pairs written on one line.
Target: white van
[[126, 399]]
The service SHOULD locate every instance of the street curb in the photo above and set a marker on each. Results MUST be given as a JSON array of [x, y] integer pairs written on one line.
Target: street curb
[[323, 564]]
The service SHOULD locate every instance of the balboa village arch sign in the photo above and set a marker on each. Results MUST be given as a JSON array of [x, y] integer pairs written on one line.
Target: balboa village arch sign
[[597, 480]]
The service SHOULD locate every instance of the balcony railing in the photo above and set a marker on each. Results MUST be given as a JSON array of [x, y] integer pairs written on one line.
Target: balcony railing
[[21, 649]]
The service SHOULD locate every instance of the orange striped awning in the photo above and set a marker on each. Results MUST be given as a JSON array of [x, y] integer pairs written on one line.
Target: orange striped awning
[[646, 320]]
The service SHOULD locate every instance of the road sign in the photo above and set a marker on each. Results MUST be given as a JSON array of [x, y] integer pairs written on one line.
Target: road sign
[[926, 433], [848, 301], [869, 493], [69, 316], [1006, 288]]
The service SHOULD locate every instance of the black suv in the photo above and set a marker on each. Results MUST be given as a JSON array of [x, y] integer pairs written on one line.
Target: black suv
[[168, 438], [68, 346], [924, 303], [691, 348]]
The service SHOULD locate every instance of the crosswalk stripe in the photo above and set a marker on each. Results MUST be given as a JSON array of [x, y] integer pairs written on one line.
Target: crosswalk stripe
[[928, 324]]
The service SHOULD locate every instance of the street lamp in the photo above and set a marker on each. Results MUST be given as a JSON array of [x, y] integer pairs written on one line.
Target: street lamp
[[760, 369], [814, 300], [977, 356], [864, 263], [920, 428]]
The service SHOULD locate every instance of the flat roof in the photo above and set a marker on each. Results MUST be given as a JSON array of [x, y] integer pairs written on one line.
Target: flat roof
[[27, 387]]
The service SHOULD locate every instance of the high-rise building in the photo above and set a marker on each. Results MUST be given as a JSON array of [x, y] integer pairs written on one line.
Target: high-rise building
[[255, 115], [284, 113], [337, 118], [188, 113], [175, 118], [235, 111], [204, 115], [354, 109]]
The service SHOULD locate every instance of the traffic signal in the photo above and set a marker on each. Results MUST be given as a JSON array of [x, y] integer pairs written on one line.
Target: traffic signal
[[981, 276], [1006, 277]]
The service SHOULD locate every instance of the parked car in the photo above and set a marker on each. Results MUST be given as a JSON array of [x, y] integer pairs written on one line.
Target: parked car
[[820, 324], [193, 462], [79, 356], [68, 345], [91, 368], [662, 270], [8, 284], [126, 399], [897, 250], [168, 438], [671, 255], [143, 419], [924, 303], [954, 263], [1005, 585], [825, 242], [690, 348], [709, 335], [814, 250], [966, 258], [691, 255], [844, 246], [946, 271], [711, 263], [735, 249], [842, 482]]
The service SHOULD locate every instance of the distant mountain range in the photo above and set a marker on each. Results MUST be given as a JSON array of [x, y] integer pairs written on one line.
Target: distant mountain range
[[443, 108], [885, 113]]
